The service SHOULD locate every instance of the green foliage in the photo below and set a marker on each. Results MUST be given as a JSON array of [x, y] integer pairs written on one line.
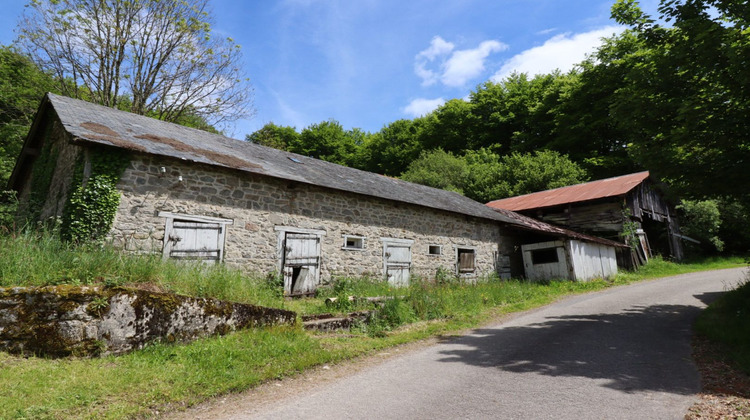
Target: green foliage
[[629, 229], [272, 135], [701, 220], [92, 205], [438, 169], [393, 148], [682, 98], [484, 176], [91, 210], [22, 86], [725, 322], [542, 170], [733, 229], [40, 258], [8, 209], [327, 141], [41, 177]]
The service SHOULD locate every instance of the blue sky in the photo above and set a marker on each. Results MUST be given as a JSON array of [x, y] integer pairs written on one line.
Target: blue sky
[[366, 63]]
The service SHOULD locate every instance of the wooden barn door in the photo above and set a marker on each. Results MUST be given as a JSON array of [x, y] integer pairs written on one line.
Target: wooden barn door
[[397, 258], [196, 241], [301, 265]]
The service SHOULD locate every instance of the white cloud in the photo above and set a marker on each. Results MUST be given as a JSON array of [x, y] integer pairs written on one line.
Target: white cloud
[[561, 52], [465, 65], [452, 67], [438, 47], [422, 106]]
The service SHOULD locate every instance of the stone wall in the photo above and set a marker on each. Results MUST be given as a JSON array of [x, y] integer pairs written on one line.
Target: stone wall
[[259, 205], [61, 177], [85, 321]]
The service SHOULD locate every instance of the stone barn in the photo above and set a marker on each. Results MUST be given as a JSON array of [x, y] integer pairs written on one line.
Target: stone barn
[[191, 195], [607, 208]]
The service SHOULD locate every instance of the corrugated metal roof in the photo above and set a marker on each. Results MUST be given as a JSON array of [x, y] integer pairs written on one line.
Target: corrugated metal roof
[[92, 123], [610, 187]]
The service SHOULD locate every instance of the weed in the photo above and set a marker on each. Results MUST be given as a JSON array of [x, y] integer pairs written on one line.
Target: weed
[[98, 305]]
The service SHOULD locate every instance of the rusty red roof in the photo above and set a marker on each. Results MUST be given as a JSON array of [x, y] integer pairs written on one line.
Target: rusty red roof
[[610, 187]]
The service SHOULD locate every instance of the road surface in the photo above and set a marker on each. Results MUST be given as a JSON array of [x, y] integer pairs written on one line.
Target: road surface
[[623, 353]]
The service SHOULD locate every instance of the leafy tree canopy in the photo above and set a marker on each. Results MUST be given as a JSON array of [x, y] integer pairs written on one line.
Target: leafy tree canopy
[[22, 86], [276, 136], [684, 98], [328, 141], [485, 176]]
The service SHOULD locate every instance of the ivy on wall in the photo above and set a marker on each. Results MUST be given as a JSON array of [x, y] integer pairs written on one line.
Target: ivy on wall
[[41, 176], [92, 205]]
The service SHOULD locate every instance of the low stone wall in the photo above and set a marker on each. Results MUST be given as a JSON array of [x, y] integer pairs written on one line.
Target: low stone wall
[[60, 321]]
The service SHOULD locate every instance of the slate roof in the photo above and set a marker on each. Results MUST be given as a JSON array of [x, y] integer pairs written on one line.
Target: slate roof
[[610, 187], [91, 123]]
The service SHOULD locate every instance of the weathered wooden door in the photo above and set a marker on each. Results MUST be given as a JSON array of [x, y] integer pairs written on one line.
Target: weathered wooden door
[[397, 258], [301, 263], [195, 241]]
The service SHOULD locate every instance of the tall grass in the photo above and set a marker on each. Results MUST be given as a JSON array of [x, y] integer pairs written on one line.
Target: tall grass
[[41, 259], [725, 321]]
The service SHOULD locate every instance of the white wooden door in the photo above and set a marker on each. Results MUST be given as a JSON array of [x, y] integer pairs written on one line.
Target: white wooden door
[[301, 263], [397, 263], [195, 241]]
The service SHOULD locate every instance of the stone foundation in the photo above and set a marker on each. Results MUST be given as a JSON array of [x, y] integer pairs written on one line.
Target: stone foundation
[[61, 321]]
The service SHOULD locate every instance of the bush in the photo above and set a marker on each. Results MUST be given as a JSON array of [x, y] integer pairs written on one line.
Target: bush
[[701, 220]]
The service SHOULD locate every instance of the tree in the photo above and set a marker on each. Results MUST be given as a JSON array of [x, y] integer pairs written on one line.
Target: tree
[[438, 169], [538, 171], [328, 141], [514, 114], [159, 54], [484, 176], [393, 148], [276, 136], [701, 220], [684, 97], [22, 86]]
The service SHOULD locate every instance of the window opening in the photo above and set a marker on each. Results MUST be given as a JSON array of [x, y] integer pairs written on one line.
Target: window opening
[[466, 260], [544, 256], [354, 242], [435, 250]]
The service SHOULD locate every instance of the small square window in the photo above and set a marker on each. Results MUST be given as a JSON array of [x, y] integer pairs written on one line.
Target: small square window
[[354, 242], [435, 250]]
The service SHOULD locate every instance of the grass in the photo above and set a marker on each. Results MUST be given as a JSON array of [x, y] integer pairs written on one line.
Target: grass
[[725, 321], [165, 377]]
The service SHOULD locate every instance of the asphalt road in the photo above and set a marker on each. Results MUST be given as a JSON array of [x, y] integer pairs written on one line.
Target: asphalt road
[[623, 353]]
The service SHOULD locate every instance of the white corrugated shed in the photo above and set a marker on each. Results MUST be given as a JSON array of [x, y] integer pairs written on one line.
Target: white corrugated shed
[[569, 259]]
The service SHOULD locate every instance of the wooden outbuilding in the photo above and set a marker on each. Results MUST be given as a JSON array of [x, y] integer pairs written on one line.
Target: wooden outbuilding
[[619, 208]]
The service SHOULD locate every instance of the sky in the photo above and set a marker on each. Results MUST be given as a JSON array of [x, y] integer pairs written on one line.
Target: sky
[[366, 63]]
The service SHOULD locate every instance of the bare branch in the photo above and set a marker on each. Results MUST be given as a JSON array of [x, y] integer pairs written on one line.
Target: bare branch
[[158, 55]]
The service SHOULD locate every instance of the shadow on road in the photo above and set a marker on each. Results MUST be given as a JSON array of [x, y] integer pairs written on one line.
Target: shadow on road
[[643, 348]]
